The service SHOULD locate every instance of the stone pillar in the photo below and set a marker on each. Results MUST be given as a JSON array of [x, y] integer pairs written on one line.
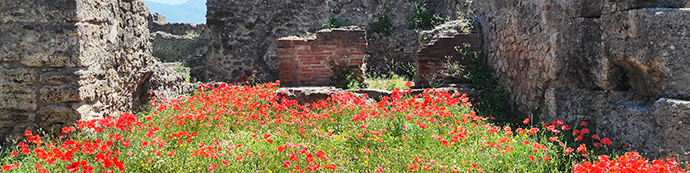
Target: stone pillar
[[65, 60]]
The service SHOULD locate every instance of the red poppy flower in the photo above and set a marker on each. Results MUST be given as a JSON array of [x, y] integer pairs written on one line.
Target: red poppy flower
[[74, 167], [330, 166], [287, 164], [584, 131], [413, 166], [581, 148], [606, 141]]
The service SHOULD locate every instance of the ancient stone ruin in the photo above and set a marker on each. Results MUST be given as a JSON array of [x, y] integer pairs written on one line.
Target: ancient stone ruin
[[181, 43], [244, 34], [66, 60], [618, 64], [442, 47], [314, 61]]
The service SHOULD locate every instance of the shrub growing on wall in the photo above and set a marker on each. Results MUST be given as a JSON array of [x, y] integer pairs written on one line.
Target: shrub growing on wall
[[335, 22], [381, 23], [496, 101], [425, 19]]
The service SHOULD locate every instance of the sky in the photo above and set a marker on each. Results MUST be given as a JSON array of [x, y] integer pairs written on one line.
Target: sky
[[171, 2]]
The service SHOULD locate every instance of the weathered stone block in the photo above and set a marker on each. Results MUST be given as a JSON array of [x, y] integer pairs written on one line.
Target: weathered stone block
[[54, 117], [59, 94], [650, 47], [14, 123], [60, 77], [17, 81], [40, 44], [21, 102], [38, 11], [96, 11]]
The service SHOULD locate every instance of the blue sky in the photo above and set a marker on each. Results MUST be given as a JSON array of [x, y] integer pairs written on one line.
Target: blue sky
[[184, 11], [171, 2]]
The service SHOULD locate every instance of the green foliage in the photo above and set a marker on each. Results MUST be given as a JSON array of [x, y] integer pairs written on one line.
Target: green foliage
[[192, 34], [425, 19], [347, 78], [496, 101], [434, 80], [389, 81], [382, 23], [335, 22], [183, 68]]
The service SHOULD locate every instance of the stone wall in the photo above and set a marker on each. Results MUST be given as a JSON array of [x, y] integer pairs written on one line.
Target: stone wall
[[177, 42], [305, 62], [442, 46], [244, 33], [616, 64], [65, 60]]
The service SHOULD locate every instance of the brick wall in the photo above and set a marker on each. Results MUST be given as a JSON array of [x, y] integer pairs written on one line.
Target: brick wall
[[310, 62], [432, 58]]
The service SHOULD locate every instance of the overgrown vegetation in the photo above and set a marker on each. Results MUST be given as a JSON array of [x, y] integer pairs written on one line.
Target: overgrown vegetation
[[389, 82], [233, 128], [424, 19], [335, 21], [381, 24], [252, 78], [181, 68], [496, 101], [347, 78], [192, 34]]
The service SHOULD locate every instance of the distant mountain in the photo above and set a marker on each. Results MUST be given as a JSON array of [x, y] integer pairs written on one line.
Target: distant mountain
[[192, 11]]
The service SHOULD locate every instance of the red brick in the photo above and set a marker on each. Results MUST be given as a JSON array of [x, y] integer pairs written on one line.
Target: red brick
[[283, 51], [302, 47]]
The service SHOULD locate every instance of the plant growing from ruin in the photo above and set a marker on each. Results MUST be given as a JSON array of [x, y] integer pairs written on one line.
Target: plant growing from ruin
[[424, 19], [192, 34], [381, 24], [389, 81], [184, 69], [234, 128], [251, 78], [346, 78], [496, 101], [335, 22], [434, 80]]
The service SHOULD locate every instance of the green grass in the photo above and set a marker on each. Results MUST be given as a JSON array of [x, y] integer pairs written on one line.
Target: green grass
[[387, 82]]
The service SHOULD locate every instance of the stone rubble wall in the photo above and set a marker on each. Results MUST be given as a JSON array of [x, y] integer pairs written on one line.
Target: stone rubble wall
[[66, 60], [177, 42], [442, 46], [244, 33], [616, 64], [311, 62]]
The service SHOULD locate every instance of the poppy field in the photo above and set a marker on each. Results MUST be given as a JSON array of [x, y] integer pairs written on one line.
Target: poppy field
[[233, 128]]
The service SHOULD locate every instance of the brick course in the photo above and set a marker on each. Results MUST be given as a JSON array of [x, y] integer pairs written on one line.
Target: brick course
[[310, 62], [433, 57]]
